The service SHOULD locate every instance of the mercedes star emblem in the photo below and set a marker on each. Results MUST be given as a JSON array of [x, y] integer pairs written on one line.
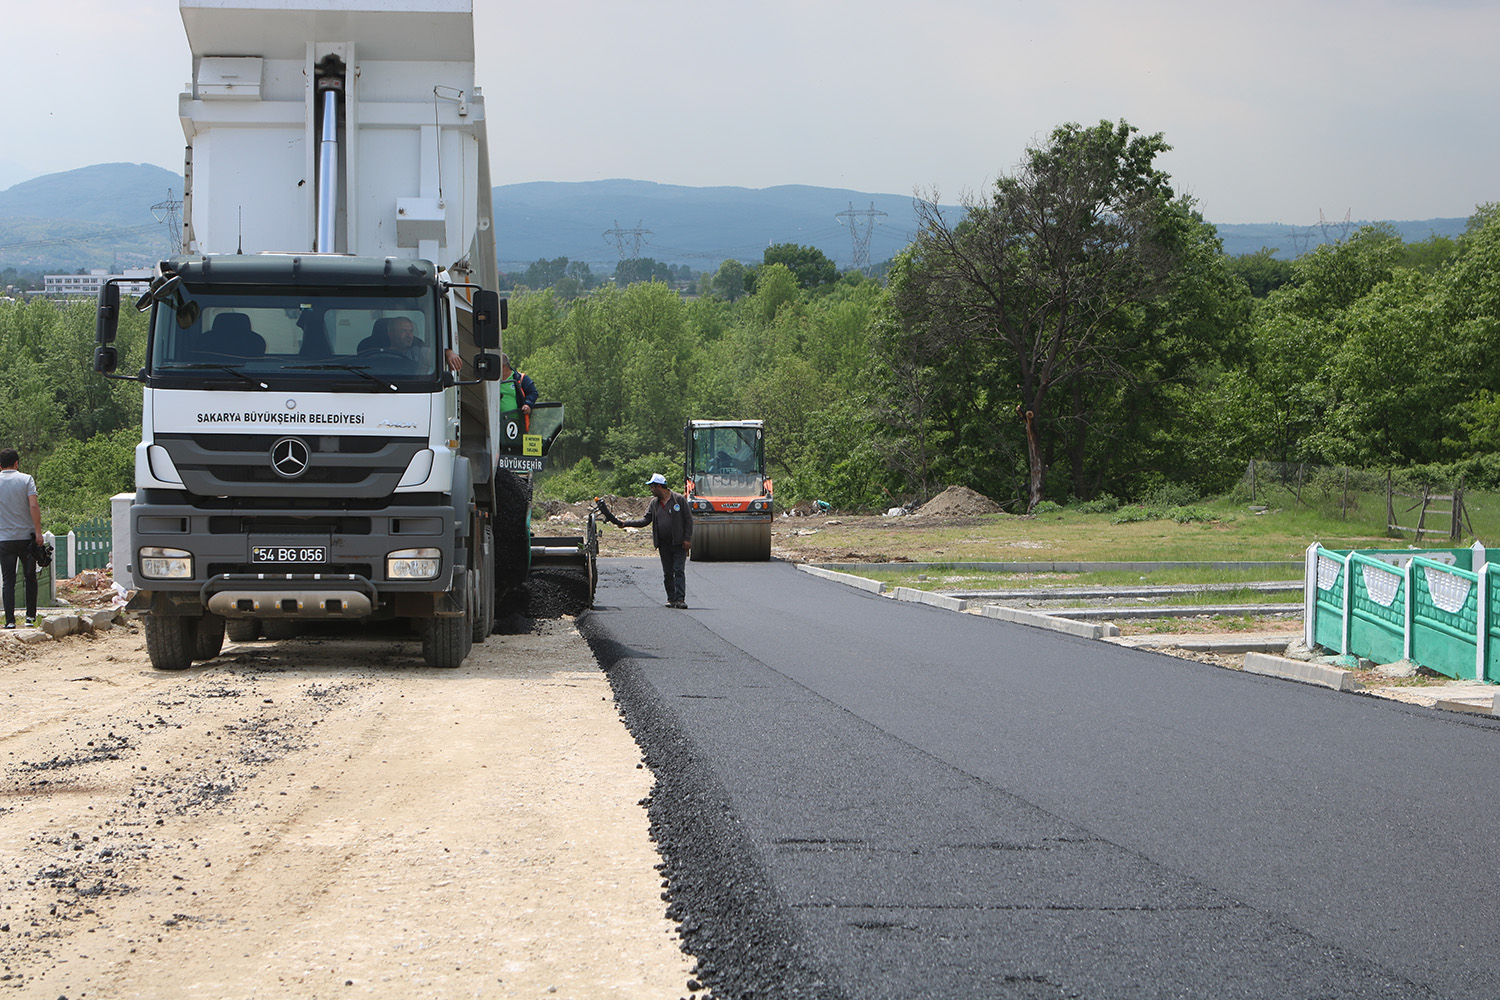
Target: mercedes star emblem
[[290, 457]]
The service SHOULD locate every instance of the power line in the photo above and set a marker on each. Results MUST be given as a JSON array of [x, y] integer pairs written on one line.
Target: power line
[[79, 238]]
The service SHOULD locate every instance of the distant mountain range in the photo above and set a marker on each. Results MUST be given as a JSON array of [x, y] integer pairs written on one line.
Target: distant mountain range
[[102, 217]]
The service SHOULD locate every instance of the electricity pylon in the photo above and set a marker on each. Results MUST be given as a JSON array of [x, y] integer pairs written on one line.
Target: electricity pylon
[[168, 212], [620, 236], [861, 236]]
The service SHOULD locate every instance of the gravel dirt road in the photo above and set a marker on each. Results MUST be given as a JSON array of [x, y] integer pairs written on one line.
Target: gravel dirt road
[[325, 817]]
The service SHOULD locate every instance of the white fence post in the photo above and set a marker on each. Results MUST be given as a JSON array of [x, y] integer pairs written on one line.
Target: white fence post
[[47, 536]]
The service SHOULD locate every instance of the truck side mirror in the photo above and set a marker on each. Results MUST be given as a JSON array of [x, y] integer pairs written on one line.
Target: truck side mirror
[[486, 367], [107, 320], [491, 315], [106, 359]]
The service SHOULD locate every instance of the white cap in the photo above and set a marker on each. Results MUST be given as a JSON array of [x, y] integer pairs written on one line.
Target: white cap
[[657, 479]]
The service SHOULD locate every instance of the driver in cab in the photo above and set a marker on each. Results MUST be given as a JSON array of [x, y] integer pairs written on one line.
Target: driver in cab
[[398, 334]]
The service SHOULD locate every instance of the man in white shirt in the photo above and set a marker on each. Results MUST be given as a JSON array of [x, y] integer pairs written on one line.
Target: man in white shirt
[[20, 526]]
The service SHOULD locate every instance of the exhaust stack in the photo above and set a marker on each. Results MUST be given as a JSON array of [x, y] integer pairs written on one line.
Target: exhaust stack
[[330, 100]]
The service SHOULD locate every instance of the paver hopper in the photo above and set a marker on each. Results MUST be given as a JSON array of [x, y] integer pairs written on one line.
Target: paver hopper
[[524, 441]]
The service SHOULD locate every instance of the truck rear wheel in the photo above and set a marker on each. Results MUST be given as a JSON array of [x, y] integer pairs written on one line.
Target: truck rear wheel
[[208, 637], [279, 628], [446, 641], [171, 641], [512, 530], [242, 629], [484, 593]]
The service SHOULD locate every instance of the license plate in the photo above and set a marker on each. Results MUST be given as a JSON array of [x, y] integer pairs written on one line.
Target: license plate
[[289, 554]]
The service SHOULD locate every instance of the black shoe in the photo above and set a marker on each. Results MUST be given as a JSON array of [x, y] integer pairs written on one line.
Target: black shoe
[[678, 604], [10, 624]]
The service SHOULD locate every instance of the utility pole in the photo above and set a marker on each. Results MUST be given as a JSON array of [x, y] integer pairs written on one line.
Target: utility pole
[[860, 235]]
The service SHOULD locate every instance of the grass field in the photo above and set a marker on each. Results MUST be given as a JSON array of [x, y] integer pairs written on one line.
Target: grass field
[[1233, 532]]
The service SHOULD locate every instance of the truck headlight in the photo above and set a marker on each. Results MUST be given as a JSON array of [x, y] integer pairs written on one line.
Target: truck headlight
[[413, 564], [156, 563], [760, 505]]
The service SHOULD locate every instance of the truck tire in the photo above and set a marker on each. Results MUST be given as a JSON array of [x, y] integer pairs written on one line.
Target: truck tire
[[279, 628], [208, 639], [242, 629], [484, 593], [512, 530], [170, 641], [446, 641]]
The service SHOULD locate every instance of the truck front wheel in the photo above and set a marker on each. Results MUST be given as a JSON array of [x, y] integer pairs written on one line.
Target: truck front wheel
[[446, 641], [171, 640]]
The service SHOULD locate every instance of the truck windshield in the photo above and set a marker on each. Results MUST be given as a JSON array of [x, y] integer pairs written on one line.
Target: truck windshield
[[334, 339]]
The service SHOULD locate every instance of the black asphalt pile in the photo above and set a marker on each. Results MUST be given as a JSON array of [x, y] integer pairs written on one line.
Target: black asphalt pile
[[551, 593], [732, 920]]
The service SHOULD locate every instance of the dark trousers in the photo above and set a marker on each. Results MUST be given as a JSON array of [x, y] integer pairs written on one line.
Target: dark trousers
[[9, 553], [674, 572]]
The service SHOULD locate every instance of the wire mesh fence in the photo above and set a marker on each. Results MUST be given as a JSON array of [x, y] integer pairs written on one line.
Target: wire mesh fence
[[1405, 504]]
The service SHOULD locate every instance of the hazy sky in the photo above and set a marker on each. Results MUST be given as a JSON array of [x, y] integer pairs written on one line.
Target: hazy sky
[[1387, 109]]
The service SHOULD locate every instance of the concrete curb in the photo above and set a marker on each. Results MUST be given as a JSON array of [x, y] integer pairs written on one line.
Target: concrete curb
[[1038, 620], [1297, 566], [848, 579], [1268, 665], [914, 596], [56, 624], [927, 597], [1469, 707]]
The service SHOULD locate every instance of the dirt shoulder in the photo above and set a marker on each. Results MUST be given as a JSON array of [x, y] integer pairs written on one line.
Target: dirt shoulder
[[325, 817]]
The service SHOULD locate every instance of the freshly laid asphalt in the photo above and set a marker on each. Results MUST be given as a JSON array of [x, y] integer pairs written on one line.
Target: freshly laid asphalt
[[863, 798]]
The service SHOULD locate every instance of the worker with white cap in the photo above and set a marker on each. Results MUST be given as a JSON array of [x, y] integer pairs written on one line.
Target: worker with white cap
[[671, 520]]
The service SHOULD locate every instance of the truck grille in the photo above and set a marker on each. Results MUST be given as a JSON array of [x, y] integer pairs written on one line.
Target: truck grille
[[243, 465]]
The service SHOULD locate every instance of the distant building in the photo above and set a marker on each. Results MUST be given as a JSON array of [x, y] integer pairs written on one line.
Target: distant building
[[57, 286]]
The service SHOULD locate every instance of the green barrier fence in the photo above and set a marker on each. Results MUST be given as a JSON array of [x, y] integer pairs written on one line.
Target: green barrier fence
[[1439, 608]]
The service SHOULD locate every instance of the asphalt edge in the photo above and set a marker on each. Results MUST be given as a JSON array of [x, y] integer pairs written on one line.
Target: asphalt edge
[[730, 918], [1258, 662]]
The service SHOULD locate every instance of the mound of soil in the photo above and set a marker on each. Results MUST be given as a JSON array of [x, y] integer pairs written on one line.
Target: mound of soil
[[959, 501]]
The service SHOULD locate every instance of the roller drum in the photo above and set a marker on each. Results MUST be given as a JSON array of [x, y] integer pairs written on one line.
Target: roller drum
[[731, 541]]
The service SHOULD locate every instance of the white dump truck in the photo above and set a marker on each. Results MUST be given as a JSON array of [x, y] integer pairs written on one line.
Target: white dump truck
[[322, 436]]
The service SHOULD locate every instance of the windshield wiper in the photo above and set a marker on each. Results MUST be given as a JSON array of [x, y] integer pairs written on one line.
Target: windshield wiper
[[363, 371], [212, 367]]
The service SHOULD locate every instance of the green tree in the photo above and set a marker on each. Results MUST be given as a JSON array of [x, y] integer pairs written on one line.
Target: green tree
[[811, 266], [729, 280], [775, 286], [1042, 276], [1261, 271], [75, 482]]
